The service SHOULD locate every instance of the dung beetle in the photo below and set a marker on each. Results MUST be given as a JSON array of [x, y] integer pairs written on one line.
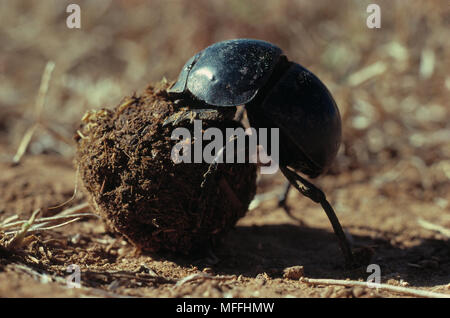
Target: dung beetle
[[276, 93]]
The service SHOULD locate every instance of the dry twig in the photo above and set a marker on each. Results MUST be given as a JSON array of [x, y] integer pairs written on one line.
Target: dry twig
[[203, 276], [434, 227], [397, 289]]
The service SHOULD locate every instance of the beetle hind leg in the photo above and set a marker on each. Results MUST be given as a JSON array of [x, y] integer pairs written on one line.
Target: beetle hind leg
[[311, 191]]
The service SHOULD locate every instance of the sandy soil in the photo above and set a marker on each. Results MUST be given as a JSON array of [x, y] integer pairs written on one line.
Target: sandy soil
[[252, 257]]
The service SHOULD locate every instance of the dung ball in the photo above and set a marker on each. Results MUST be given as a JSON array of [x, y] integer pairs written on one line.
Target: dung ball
[[126, 168]]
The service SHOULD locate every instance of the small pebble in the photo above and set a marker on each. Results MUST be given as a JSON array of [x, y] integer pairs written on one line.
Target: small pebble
[[294, 272], [358, 291], [208, 270], [261, 279]]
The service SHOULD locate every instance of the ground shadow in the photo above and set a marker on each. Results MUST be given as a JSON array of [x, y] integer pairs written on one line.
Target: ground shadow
[[251, 250]]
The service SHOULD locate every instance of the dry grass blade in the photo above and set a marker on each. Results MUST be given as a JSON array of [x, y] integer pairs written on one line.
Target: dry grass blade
[[367, 73], [203, 276], [397, 289], [43, 89], [17, 240], [40, 227], [46, 223], [75, 191], [66, 214], [116, 275], [75, 209], [24, 143], [40, 103], [56, 134], [434, 227], [43, 227], [42, 277], [9, 219]]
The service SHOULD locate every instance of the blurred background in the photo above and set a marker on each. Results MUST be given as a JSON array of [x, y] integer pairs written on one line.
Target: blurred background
[[391, 84]]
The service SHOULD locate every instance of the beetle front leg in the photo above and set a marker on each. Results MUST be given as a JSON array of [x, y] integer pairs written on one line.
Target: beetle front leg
[[213, 165], [311, 191], [191, 114]]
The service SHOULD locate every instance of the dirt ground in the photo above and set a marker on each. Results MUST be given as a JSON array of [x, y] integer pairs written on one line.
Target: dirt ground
[[390, 181], [251, 258]]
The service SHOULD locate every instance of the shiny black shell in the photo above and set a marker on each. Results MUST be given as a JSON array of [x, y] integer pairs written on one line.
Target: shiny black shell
[[228, 73], [277, 94]]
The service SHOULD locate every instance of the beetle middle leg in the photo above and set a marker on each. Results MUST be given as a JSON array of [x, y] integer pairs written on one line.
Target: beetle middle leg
[[315, 194], [282, 201]]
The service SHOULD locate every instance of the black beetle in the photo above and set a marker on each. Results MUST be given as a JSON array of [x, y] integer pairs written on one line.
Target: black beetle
[[276, 93]]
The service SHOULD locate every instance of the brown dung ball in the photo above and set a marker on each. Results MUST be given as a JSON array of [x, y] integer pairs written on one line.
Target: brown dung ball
[[124, 159]]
